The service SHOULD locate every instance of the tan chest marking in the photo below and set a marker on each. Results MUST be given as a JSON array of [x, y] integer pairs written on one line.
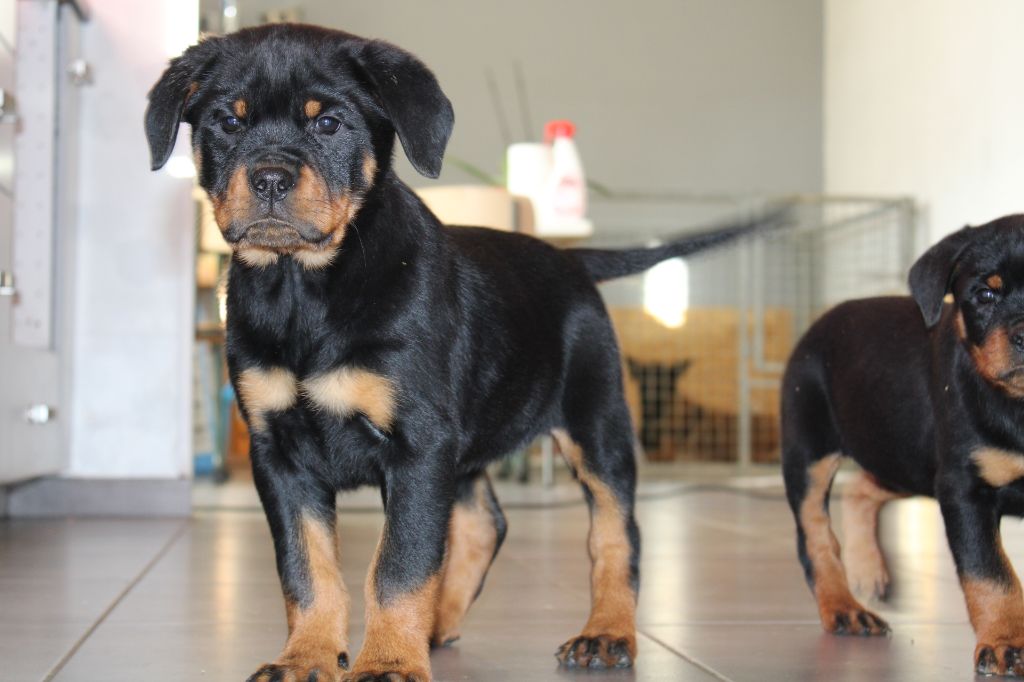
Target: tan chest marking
[[352, 390], [266, 390], [998, 467]]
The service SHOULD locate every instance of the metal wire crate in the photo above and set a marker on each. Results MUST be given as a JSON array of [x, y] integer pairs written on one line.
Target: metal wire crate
[[704, 342]]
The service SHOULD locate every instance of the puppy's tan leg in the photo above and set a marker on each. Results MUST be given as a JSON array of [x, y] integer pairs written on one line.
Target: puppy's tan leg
[[609, 637], [397, 631], [840, 612], [862, 502], [404, 582], [995, 602], [476, 531], [318, 624], [997, 614]]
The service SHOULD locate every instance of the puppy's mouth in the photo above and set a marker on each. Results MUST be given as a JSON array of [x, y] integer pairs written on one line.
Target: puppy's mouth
[[275, 234]]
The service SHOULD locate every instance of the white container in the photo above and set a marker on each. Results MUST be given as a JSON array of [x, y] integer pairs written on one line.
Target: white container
[[527, 165], [526, 170], [562, 208]]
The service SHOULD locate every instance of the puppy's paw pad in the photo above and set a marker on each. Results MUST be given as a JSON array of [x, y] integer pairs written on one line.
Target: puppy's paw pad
[[597, 653], [1002, 660], [856, 622]]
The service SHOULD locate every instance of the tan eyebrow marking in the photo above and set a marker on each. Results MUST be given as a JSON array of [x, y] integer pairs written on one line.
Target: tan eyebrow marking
[[312, 108], [241, 108]]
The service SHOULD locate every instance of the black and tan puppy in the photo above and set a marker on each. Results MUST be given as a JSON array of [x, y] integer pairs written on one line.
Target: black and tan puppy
[[930, 405], [371, 346]]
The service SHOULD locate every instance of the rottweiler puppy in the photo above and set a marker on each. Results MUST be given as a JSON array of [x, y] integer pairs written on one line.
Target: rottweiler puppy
[[928, 397], [369, 345]]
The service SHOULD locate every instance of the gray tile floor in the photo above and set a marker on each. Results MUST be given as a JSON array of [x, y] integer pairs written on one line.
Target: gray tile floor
[[721, 598]]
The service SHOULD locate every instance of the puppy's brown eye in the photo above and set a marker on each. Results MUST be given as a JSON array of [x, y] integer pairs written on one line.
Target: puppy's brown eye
[[231, 124], [328, 124], [985, 296]]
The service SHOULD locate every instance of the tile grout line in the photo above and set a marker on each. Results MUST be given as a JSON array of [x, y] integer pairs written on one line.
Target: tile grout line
[[55, 670], [689, 659]]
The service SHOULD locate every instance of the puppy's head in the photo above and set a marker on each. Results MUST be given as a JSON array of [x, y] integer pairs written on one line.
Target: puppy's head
[[983, 267], [291, 127]]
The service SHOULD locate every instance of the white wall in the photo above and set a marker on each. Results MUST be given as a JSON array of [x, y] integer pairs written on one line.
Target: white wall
[[133, 291], [924, 98]]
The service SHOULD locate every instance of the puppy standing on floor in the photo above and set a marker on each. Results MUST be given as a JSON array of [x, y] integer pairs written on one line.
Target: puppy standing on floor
[[370, 346], [931, 406]]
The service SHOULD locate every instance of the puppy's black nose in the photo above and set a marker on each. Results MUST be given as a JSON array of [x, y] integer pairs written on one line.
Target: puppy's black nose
[[271, 183]]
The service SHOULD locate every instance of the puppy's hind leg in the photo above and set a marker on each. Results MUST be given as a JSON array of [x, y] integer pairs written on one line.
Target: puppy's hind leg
[[475, 533], [808, 484], [603, 460], [862, 501]]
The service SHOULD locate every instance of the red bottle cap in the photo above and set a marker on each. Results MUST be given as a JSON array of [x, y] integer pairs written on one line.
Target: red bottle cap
[[558, 128]]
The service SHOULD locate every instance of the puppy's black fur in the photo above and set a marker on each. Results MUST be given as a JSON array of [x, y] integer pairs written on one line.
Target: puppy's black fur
[[371, 346], [928, 397]]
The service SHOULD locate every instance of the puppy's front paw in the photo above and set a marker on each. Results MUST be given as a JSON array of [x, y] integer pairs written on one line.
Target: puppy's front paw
[[1002, 659], [601, 651], [854, 620], [290, 668]]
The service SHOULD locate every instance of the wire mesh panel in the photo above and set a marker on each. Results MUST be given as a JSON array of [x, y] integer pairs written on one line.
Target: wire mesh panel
[[704, 342]]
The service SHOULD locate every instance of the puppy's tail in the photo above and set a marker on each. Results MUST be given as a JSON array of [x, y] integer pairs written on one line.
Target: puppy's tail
[[605, 264]]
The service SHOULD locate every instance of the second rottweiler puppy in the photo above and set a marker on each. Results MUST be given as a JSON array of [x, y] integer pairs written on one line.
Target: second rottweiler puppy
[[929, 399]]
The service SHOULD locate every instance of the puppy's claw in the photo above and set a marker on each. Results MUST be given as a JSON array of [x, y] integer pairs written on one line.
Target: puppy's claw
[[1004, 660], [596, 653], [856, 622]]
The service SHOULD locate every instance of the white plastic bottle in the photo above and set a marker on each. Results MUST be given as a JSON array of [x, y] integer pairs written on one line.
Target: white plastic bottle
[[564, 207]]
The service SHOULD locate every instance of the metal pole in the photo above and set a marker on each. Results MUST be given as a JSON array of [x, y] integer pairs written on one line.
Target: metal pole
[[743, 454], [547, 462]]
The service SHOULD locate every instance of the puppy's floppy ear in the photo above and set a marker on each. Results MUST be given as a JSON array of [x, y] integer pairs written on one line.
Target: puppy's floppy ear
[[169, 96], [932, 275], [418, 109]]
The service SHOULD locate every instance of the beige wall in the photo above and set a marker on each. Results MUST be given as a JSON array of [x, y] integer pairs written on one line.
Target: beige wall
[[669, 95]]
